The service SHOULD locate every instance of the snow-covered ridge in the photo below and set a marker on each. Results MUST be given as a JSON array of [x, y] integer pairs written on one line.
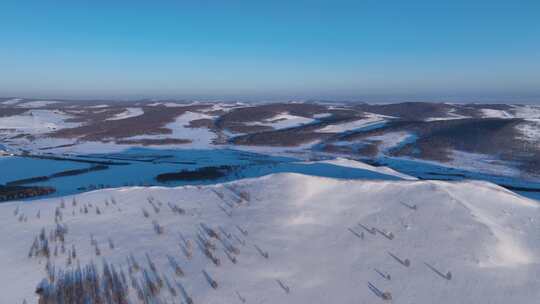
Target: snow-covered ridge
[[370, 120], [360, 165], [37, 103], [128, 113], [290, 238], [283, 121]]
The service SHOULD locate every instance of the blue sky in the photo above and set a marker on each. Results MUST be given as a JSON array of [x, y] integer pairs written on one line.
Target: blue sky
[[363, 49]]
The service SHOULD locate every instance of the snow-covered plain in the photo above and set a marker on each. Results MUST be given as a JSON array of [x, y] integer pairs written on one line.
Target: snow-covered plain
[[294, 239], [36, 121]]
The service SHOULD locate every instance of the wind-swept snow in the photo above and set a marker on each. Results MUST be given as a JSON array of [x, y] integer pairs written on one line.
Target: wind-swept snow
[[12, 101], [482, 163], [167, 104], [492, 113], [199, 138], [392, 140], [451, 114], [37, 104], [282, 121], [530, 128], [36, 121], [370, 120], [530, 131], [527, 112], [128, 113], [290, 238], [360, 165]]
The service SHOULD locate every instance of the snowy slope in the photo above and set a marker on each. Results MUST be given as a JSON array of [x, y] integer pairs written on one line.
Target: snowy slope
[[36, 121], [360, 165], [200, 138], [128, 113], [370, 120], [283, 121], [37, 103], [484, 235]]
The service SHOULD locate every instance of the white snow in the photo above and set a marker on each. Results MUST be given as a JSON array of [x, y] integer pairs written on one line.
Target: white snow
[[527, 112], [36, 121], [219, 107], [530, 131], [167, 104], [450, 115], [282, 121], [492, 113], [37, 103], [484, 235], [392, 139], [128, 113], [482, 163], [370, 120], [343, 162], [12, 101], [322, 115], [200, 137]]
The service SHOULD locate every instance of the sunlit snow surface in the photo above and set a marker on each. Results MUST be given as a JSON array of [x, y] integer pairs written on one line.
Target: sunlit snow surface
[[283, 121], [36, 121], [140, 166], [308, 228], [370, 120]]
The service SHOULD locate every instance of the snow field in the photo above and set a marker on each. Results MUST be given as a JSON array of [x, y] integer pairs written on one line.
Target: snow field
[[290, 238]]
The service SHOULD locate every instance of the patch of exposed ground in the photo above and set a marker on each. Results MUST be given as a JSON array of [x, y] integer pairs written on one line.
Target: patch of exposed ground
[[297, 135], [235, 120], [150, 123], [437, 139]]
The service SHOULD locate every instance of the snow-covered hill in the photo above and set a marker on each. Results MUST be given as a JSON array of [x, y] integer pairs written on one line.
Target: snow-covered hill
[[284, 238]]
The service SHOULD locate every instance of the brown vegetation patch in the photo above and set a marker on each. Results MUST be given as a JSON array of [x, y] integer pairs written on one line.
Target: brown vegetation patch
[[298, 135], [151, 122], [235, 120], [285, 138], [92, 115], [408, 110], [437, 139], [8, 193], [202, 123], [204, 173]]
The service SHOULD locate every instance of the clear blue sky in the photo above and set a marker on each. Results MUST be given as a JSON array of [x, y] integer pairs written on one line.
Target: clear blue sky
[[271, 49]]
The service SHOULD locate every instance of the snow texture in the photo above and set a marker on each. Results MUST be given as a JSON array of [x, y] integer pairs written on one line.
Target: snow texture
[[298, 239], [370, 120]]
